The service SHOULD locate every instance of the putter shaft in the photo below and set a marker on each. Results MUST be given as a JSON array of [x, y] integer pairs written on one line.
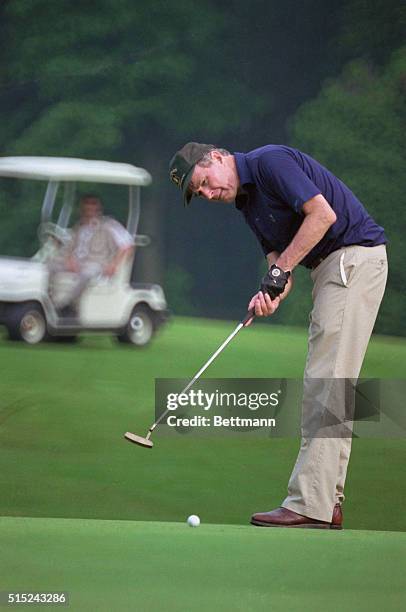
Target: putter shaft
[[241, 324]]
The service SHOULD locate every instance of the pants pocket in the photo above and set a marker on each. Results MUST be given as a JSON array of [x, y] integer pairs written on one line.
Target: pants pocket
[[346, 266]]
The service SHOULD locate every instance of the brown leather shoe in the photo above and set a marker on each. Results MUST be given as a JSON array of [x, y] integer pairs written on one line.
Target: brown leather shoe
[[282, 517]]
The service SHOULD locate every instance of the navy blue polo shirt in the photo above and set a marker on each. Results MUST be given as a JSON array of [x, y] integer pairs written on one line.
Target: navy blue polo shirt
[[277, 180]]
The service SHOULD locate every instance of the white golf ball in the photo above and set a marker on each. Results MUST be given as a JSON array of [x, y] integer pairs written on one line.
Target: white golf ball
[[193, 520]]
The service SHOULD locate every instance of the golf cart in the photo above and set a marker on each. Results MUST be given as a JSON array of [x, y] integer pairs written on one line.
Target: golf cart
[[131, 311]]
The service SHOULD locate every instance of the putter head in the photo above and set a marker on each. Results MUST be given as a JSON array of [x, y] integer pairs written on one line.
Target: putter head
[[145, 442]]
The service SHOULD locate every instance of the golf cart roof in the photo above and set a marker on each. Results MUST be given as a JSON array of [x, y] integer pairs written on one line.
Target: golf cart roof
[[73, 169]]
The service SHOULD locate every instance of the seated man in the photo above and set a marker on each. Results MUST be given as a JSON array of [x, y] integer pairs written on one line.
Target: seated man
[[99, 244]]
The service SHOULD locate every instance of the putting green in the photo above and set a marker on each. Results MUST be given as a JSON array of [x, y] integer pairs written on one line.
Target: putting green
[[148, 566], [64, 410]]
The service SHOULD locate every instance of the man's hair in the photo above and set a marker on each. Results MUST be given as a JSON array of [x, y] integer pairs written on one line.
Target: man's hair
[[90, 196], [206, 160]]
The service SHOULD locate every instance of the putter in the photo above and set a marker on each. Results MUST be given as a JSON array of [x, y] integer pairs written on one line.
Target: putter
[[147, 442]]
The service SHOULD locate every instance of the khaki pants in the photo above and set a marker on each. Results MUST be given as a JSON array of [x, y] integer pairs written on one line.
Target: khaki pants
[[79, 281], [348, 288]]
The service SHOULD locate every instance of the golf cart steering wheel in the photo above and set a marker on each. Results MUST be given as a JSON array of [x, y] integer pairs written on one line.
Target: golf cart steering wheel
[[60, 234]]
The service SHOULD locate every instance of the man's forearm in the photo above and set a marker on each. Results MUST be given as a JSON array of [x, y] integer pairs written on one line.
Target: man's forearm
[[272, 258], [120, 255], [309, 234], [317, 221]]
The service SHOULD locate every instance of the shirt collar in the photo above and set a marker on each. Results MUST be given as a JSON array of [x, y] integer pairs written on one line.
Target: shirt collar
[[245, 176], [244, 172]]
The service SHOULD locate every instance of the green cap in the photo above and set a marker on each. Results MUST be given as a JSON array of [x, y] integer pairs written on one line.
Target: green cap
[[183, 163]]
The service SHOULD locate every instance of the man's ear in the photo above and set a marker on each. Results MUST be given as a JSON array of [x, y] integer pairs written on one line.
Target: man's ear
[[216, 156]]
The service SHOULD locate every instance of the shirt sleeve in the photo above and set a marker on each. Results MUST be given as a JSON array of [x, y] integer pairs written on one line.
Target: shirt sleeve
[[281, 174]]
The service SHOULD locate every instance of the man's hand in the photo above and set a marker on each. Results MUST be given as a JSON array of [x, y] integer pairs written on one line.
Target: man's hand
[[72, 264], [278, 285], [262, 305], [110, 269]]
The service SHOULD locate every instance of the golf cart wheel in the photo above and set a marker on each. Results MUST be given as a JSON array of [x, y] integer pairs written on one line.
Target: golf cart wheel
[[27, 322], [140, 327]]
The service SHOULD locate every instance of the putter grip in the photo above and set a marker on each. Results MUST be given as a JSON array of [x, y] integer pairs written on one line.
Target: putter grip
[[248, 316]]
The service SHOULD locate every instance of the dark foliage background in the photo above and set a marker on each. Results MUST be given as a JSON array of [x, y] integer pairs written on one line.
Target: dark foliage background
[[132, 81]]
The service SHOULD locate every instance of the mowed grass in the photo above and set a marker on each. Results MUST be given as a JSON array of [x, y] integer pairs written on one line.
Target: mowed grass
[[64, 410], [153, 566]]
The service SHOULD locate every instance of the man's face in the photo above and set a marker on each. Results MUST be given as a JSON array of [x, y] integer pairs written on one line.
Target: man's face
[[90, 208], [219, 181]]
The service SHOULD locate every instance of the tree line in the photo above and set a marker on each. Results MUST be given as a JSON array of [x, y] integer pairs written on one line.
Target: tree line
[[132, 82]]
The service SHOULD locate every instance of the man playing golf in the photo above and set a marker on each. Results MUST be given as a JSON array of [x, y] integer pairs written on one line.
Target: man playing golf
[[302, 214]]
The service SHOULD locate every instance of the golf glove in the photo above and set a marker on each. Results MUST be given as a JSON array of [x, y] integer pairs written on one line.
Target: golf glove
[[274, 281]]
